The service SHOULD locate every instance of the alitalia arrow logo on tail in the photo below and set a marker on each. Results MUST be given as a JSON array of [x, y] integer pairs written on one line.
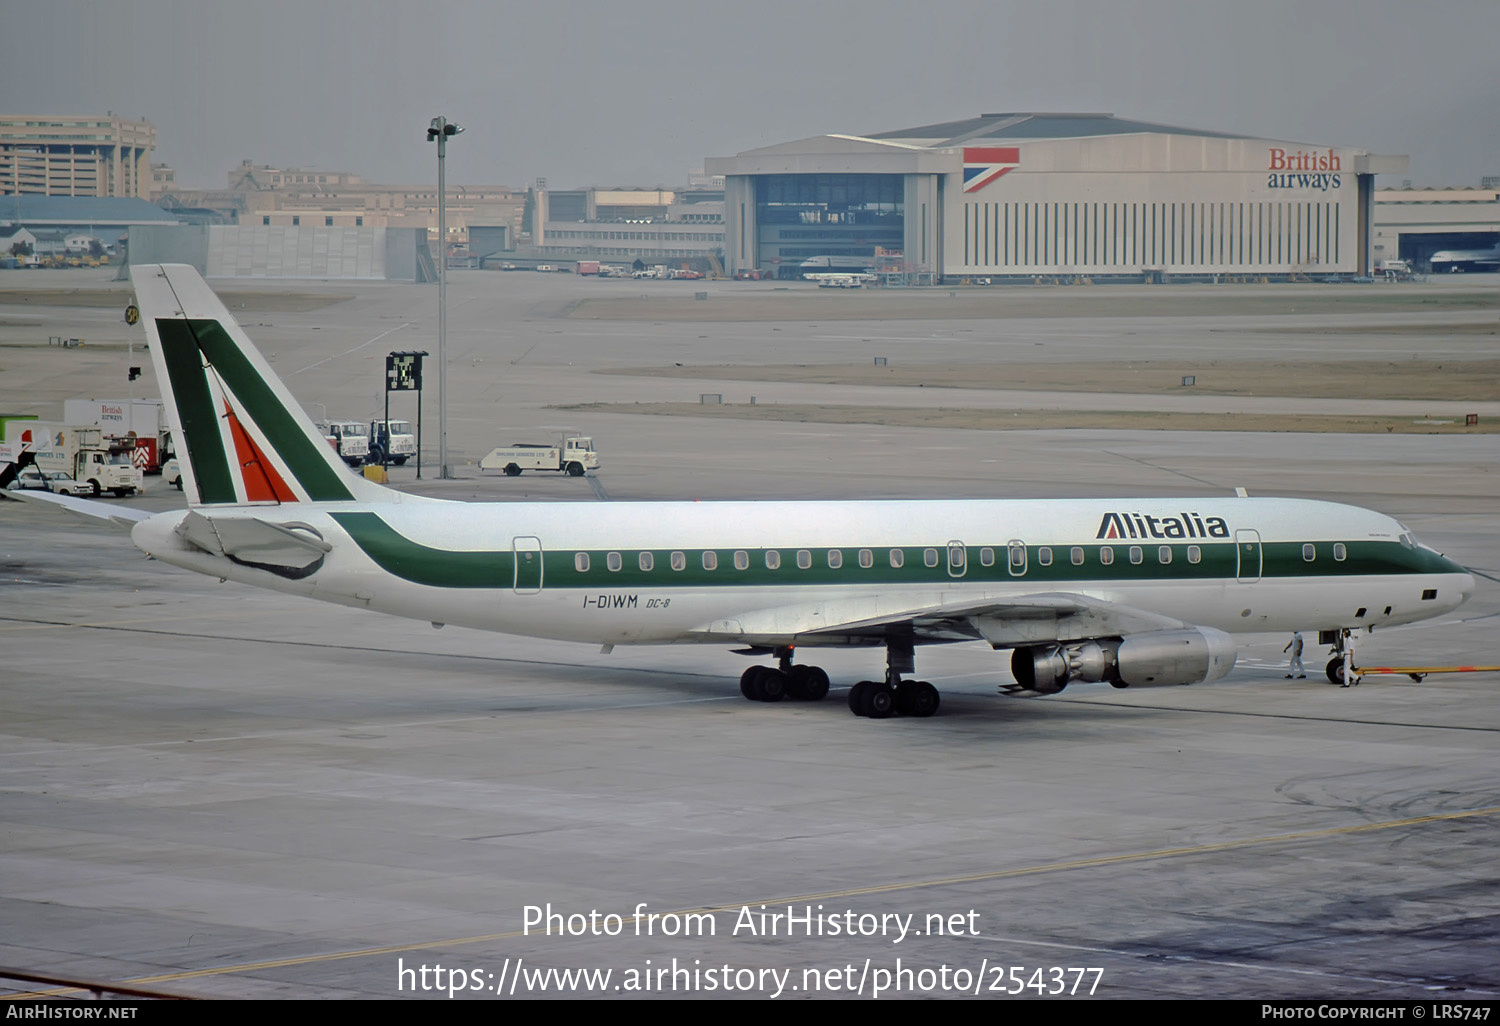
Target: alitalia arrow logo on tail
[[982, 165], [1140, 525]]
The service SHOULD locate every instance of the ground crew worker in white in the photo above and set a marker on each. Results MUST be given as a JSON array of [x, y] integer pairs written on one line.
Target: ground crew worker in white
[[1295, 647]]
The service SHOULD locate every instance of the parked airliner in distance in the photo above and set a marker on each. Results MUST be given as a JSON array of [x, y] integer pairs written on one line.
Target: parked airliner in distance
[[1131, 592], [1454, 260]]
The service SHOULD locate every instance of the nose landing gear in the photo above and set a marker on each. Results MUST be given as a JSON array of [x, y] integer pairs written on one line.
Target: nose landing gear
[[1340, 668]]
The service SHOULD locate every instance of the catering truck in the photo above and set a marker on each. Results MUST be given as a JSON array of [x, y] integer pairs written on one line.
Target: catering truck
[[143, 420], [102, 463], [573, 456]]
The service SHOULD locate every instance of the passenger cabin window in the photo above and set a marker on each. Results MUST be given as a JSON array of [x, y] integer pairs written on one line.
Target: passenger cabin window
[[866, 558], [898, 558], [1076, 555], [1339, 552], [804, 559], [1106, 554], [741, 559], [1309, 552], [929, 556], [1135, 554], [613, 561], [836, 558], [986, 557], [679, 561], [773, 559], [581, 562], [710, 560], [646, 561], [1195, 554], [1164, 554], [1044, 556], [957, 557]]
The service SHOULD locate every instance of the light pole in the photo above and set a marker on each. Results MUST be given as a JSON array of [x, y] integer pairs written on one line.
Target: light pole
[[439, 131]]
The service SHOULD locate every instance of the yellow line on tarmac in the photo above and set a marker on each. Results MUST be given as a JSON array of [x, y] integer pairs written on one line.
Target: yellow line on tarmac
[[890, 888], [1371, 670]]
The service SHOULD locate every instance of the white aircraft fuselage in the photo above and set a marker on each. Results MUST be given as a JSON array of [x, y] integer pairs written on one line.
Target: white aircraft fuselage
[[1136, 592], [467, 564]]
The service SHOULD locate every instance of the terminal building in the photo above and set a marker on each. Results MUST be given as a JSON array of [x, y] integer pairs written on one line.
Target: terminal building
[[679, 227], [89, 156], [1028, 195]]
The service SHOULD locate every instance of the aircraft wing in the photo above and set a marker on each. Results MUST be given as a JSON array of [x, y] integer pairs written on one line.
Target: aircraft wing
[[1004, 622], [120, 516]]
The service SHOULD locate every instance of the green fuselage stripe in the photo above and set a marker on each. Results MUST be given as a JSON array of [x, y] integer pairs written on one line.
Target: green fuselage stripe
[[312, 468], [195, 409], [447, 568]]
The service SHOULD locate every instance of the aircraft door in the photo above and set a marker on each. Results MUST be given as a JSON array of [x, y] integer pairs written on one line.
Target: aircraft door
[[958, 561], [528, 559], [1016, 557], [1248, 556]]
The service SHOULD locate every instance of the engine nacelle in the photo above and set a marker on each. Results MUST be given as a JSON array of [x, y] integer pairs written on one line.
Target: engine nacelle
[[1188, 656]]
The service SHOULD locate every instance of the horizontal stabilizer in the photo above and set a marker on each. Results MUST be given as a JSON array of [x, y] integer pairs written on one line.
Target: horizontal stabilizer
[[255, 542]]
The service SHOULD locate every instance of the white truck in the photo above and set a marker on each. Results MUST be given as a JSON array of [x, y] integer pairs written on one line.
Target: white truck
[[392, 440], [348, 439], [102, 463], [145, 420], [1394, 270], [574, 456]]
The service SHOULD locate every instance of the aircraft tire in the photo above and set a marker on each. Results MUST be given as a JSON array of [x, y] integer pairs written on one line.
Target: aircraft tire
[[857, 697], [923, 700], [750, 684], [905, 692], [809, 683], [879, 701], [772, 684], [1335, 670]]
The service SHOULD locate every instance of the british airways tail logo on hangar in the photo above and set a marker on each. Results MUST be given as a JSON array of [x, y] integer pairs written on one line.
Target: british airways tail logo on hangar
[[983, 165]]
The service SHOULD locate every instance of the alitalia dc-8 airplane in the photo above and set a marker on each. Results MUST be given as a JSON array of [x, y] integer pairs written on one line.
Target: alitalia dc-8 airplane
[[1131, 592]]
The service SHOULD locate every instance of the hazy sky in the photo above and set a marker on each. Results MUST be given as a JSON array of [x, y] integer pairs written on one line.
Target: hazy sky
[[640, 91]]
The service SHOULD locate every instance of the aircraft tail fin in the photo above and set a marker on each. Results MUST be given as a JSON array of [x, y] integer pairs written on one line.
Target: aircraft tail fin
[[241, 437]]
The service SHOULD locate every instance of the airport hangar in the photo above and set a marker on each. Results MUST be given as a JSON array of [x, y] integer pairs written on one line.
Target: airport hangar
[[1068, 195]]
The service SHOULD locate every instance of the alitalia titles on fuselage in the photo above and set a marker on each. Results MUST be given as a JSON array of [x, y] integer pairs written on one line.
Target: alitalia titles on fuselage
[[1143, 525]]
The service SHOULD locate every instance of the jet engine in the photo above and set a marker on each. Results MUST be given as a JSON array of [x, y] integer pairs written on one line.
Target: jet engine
[[1154, 659]]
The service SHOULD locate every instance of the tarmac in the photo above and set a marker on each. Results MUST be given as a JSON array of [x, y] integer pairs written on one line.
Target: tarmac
[[224, 792]]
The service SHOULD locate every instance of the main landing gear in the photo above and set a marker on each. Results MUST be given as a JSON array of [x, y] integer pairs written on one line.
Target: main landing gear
[[875, 699], [772, 684], [893, 696]]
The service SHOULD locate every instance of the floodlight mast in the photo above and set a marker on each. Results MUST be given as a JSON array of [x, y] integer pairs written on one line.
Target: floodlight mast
[[438, 131]]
